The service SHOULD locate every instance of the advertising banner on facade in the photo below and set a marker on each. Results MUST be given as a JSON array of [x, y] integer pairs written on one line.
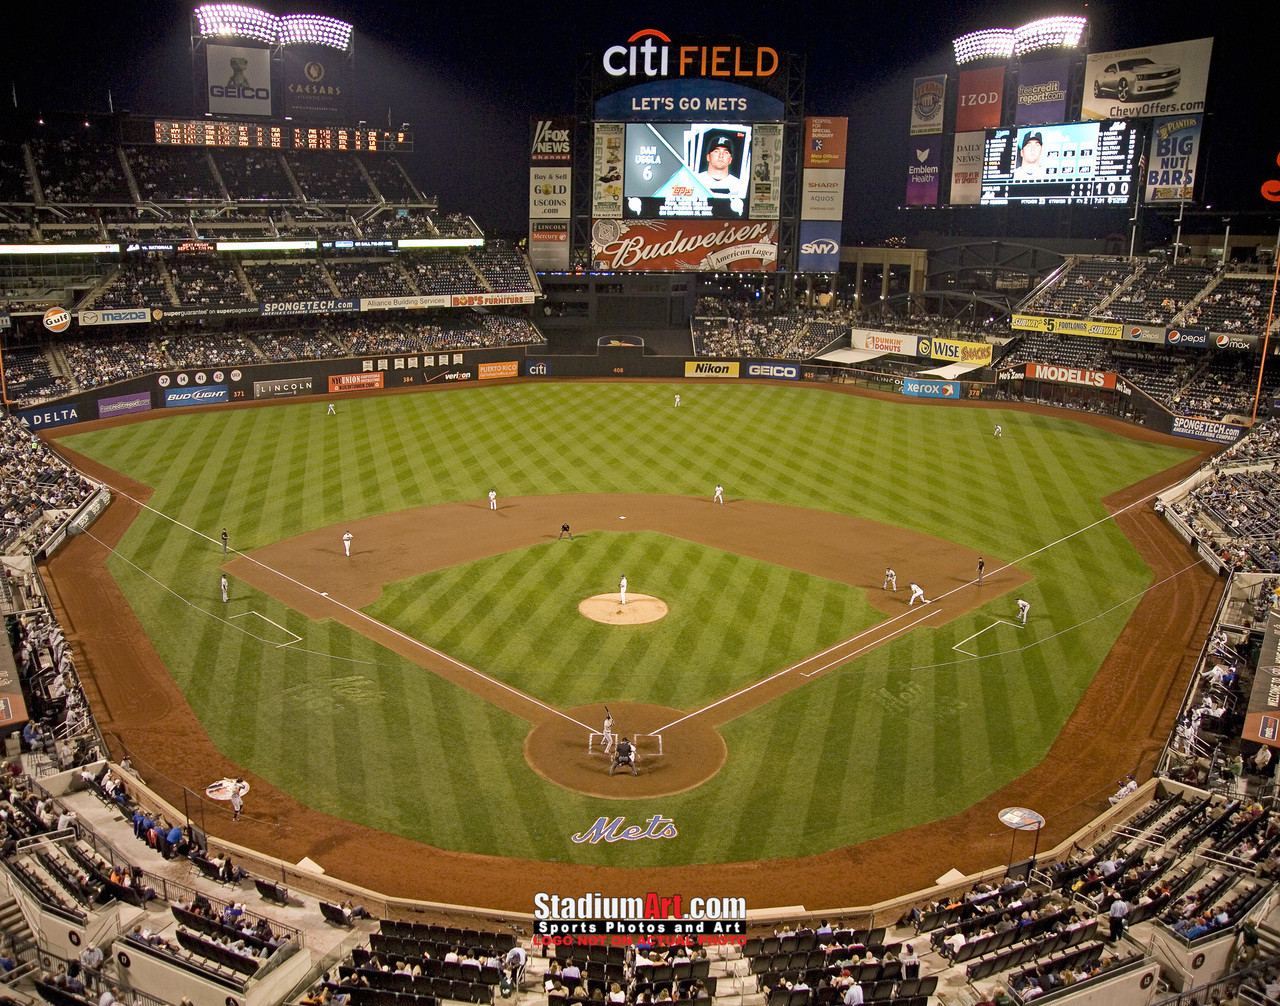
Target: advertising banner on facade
[[121, 316], [772, 369], [49, 415], [500, 369], [286, 388], [1171, 162], [490, 299], [710, 368], [1206, 429], [928, 100], [822, 194], [923, 173], [685, 245], [819, 246], [981, 98], [825, 140], [549, 245], [953, 351], [931, 389], [966, 169], [881, 342], [124, 405], [317, 83], [1042, 92], [213, 394], [1153, 80], [239, 80], [412, 302], [279, 307], [606, 171], [1194, 337], [552, 141], [1067, 326], [764, 200], [549, 193], [354, 382], [1070, 375]]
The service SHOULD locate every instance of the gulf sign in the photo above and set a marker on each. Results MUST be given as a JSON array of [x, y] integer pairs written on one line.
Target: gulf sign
[[931, 389], [57, 319], [651, 53], [976, 353], [1070, 375]]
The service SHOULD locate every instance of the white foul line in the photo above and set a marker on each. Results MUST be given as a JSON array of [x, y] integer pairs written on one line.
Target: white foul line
[[998, 621], [296, 638], [359, 614]]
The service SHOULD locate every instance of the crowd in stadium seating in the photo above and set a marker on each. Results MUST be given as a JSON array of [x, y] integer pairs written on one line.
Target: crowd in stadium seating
[[288, 280], [205, 281], [1084, 286], [727, 327], [166, 174], [502, 267], [1236, 304], [210, 351], [79, 170], [28, 376], [330, 178], [33, 480], [140, 282], [1158, 292], [253, 174], [429, 331], [369, 279], [107, 358]]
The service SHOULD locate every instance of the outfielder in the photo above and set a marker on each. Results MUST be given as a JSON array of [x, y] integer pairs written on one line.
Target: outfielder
[[719, 497], [1023, 608], [608, 740], [890, 579], [493, 499], [332, 411], [917, 594], [999, 432], [677, 401], [622, 589], [346, 542]]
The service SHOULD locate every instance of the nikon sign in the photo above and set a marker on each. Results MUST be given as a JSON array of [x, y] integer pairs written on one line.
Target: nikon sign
[[710, 368]]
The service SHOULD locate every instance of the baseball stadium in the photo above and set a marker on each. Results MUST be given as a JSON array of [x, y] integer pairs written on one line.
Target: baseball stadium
[[672, 601]]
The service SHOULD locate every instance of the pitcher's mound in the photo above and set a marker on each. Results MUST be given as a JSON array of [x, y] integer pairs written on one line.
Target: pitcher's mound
[[608, 608]]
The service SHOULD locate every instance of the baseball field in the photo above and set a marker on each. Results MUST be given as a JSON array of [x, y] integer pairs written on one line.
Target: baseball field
[[440, 684]]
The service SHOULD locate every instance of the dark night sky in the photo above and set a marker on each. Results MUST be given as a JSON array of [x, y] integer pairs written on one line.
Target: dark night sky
[[469, 75]]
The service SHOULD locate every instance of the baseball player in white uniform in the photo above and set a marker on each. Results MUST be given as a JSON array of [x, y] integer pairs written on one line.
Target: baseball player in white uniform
[[608, 740], [917, 594], [332, 411], [622, 589], [677, 401], [346, 542], [1023, 608], [999, 432], [890, 579], [719, 497], [224, 588], [493, 499]]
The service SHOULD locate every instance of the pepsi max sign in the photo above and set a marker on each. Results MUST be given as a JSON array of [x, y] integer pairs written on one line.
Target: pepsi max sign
[[1193, 337]]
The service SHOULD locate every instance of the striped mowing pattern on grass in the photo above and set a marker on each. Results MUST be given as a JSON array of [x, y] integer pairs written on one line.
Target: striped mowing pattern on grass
[[909, 732]]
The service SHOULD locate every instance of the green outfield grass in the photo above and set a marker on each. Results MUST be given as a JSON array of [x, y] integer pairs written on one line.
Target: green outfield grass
[[912, 731], [732, 620]]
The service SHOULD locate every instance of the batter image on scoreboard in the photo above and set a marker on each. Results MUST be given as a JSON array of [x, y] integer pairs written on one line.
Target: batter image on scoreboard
[[1082, 163], [687, 170]]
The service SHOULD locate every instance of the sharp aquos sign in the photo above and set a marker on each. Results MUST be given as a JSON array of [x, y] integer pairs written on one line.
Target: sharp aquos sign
[[651, 53]]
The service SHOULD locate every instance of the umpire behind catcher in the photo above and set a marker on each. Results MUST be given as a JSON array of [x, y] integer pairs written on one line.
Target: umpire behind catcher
[[624, 755]]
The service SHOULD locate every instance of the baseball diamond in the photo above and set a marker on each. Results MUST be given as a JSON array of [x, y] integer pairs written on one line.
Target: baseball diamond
[[802, 708]]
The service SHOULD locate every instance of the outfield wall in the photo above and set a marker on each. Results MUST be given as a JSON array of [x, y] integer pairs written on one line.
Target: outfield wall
[[332, 379]]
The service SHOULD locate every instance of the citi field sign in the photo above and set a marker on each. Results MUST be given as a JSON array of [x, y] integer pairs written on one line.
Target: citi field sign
[[650, 53]]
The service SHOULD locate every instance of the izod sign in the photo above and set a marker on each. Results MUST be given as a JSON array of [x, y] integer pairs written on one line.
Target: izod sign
[[651, 53]]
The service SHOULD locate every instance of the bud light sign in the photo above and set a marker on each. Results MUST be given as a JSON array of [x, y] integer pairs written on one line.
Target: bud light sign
[[819, 246], [215, 394]]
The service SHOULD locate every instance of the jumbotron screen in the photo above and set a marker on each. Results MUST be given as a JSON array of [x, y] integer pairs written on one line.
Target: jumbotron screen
[[1071, 163], [686, 170]]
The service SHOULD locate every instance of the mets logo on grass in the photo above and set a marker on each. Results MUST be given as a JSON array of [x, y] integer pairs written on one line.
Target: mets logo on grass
[[706, 368], [654, 914]]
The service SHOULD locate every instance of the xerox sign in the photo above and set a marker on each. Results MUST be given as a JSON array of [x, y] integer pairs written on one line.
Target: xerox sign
[[930, 389], [215, 394]]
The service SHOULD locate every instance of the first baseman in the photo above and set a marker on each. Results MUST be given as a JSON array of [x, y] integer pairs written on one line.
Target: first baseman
[[493, 499], [224, 588], [719, 497], [346, 542], [1023, 608], [917, 594], [622, 589], [890, 579]]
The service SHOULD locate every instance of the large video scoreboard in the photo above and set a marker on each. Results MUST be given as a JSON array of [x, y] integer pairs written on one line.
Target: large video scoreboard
[[265, 135], [1069, 163]]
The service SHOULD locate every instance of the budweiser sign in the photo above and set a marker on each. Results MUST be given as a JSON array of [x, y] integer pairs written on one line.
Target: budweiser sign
[[685, 246]]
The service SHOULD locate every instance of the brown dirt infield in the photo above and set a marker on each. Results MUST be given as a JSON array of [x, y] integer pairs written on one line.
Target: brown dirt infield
[[1118, 727], [609, 609]]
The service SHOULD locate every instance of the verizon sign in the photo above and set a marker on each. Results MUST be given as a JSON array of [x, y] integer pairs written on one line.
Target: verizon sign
[[685, 245], [1070, 375]]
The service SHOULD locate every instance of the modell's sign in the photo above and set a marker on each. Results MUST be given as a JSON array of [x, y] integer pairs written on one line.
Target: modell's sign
[[1070, 375], [685, 246], [650, 53]]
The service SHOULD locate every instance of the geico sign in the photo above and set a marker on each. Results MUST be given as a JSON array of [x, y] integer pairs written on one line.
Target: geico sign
[[251, 93], [823, 246], [773, 370], [648, 54]]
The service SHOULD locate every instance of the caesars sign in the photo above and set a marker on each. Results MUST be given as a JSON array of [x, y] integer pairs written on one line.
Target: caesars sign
[[239, 80], [651, 53]]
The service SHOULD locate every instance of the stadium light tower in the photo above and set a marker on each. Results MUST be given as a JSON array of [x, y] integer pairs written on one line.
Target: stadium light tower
[[237, 21], [1060, 32], [987, 43], [315, 29]]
